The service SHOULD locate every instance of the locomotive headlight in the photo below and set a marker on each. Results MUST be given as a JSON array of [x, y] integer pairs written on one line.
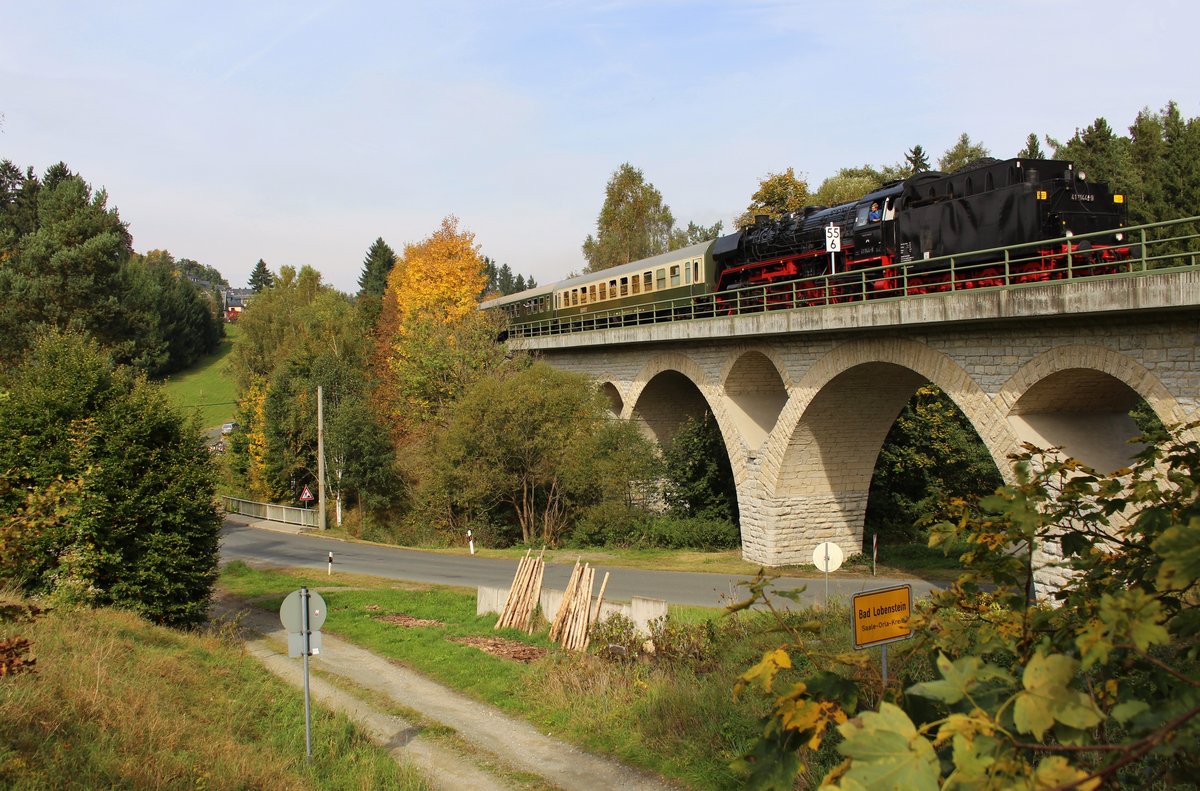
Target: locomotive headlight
[[1082, 176], [1120, 236], [1069, 233]]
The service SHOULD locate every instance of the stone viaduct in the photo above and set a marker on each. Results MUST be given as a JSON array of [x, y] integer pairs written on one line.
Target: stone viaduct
[[804, 399]]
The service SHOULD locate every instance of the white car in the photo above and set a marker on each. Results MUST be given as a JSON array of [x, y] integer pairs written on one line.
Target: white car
[[229, 428]]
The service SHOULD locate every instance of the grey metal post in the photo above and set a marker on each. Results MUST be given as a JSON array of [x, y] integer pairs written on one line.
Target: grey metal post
[[304, 631]]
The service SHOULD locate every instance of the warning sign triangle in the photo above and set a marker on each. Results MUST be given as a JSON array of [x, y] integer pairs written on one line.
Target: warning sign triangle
[[306, 495]]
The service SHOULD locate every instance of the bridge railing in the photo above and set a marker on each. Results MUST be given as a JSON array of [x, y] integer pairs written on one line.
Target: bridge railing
[[1155, 247], [271, 512]]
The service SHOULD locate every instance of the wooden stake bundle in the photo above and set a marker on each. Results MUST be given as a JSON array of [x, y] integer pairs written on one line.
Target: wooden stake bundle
[[596, 614], [581, 613], [574, 616], [564, 608], [524, 594]]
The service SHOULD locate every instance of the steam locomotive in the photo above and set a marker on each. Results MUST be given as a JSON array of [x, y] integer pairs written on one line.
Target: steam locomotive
[[989, 224]]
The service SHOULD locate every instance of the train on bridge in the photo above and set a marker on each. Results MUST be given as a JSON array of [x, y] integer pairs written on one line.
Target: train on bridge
[[992, 223]]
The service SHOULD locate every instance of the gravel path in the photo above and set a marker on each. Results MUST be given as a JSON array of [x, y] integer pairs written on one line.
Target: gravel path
[[512, 742]]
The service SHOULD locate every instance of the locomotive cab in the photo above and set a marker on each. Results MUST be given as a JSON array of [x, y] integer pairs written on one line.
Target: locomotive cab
[[874, 223]]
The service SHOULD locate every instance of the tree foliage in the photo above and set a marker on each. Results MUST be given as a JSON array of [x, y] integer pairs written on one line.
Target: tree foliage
[[261, 277], [916, 160], [699, 478], [930, 454], [777, 194], [107, 492], [502, 281], [66, 261], [431, 340], [634, 223], [962, 153], [297, 335], [1101, 687], [531, 447], [376, 268]]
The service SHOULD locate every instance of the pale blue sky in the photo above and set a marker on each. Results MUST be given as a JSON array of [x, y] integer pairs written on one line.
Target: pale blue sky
[[299, 132]]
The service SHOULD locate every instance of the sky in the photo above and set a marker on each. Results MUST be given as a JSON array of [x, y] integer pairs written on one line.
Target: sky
[[299, 132]]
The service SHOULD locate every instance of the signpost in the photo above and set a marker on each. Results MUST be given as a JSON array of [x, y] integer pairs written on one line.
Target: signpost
[[833, 244], [302, 614], [306, 496], [827, 557], [879, 617]]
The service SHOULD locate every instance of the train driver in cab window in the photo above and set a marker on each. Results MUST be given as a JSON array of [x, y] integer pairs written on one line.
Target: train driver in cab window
[[874, 215]]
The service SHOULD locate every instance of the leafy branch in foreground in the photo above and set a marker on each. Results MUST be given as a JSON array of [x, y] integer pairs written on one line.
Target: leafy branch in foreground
[[1098, 683]]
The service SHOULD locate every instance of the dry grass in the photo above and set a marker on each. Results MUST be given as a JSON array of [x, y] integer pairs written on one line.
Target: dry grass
[[119, 703]]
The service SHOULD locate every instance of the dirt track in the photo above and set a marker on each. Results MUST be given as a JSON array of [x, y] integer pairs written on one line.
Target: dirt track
[[498, 738]]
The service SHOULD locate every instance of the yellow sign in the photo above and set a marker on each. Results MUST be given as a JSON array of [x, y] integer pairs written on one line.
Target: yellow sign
[[881, 616]]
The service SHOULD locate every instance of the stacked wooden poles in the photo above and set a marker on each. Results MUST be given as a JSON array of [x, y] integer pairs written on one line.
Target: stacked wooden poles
[[524, 594], [575, 616]]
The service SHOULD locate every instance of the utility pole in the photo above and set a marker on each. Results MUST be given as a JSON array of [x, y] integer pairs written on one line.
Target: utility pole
[[320, 458]]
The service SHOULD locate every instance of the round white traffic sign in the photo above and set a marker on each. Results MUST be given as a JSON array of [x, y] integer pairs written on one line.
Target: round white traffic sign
[[828, 556], [292, 613]]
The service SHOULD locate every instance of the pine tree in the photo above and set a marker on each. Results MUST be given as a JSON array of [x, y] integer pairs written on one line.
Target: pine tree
[[1032, 149], [917, 160], [261, 277], [376, 267]]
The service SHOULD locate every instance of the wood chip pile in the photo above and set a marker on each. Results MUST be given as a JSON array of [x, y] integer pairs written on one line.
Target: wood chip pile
[[576, 615], [524, 594]]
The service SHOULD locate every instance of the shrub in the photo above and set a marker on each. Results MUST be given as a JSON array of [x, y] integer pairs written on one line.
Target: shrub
[[668, 532]]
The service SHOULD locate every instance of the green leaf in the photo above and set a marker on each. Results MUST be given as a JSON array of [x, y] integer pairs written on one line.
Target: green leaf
[[1054, 772], [959, 678], [1047, 697], [1179, 547], [1123, 712], [887, 752]]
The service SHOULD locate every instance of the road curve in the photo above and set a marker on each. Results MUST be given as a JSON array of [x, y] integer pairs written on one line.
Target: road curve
[[241, 540]]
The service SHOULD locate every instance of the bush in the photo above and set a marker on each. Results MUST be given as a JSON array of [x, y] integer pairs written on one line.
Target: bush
[[105, 490], [667, 532]]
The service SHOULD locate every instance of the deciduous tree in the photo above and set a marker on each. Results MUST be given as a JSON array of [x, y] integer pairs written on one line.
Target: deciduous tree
[[961, 154], [777, 194], [431, 340], [634, 223]]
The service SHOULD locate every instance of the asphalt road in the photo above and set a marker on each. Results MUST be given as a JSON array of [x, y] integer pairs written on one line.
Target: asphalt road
[[241, 541]]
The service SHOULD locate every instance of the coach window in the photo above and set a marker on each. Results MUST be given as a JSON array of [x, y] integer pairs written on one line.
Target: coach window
[[612, 289], [687, 275], [603, 292], [583, 295], [624, 286], [635, 284], [660, 279], [675, 275], [696, 271], [592, 293], [648, 281]]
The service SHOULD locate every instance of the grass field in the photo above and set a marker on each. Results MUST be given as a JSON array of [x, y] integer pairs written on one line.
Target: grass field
[[671, 711], [207, 388], [116, 702]]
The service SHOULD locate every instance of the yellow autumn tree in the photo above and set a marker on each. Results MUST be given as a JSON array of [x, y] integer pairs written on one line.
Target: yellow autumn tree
[[431, 340]]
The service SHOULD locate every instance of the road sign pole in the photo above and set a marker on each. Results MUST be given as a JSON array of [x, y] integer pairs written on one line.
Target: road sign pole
[[305, 633]]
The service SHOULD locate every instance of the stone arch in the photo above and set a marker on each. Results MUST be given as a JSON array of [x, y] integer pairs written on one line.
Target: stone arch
[[755, 384], [922, 363], [1078, 397], [669, 389], [821, 455], [616, 404]]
